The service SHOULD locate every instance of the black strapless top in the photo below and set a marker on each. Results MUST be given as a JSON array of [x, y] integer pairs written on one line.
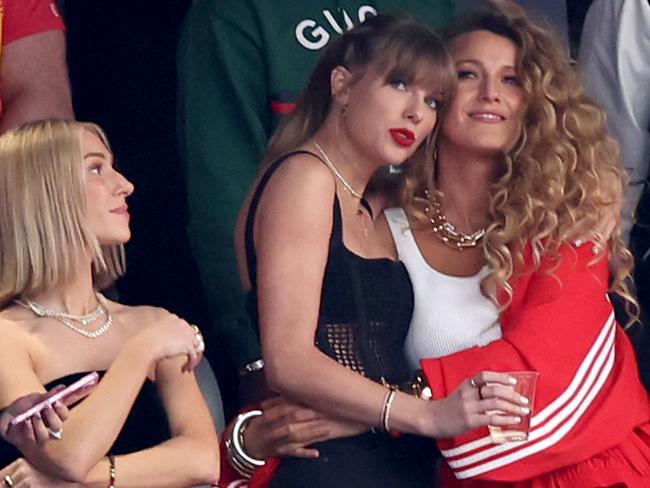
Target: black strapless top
[[145, 426]]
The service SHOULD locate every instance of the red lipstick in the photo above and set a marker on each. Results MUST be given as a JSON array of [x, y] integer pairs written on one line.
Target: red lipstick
[[403, 137]]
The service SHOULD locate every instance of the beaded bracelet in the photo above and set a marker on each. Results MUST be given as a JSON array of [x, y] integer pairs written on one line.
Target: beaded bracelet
[[112, 472]]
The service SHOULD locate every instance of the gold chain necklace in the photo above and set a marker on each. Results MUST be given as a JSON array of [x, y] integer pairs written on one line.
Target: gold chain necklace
[[336, 172], [446, 231], [365, 230]]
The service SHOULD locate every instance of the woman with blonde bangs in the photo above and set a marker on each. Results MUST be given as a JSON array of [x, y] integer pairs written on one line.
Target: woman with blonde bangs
[[491, 234], [63, 222], [331, 301]]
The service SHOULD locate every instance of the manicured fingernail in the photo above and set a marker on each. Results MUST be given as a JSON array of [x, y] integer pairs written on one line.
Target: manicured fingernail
[[524, 410], [512, 381], [524, 400], [516, 420]]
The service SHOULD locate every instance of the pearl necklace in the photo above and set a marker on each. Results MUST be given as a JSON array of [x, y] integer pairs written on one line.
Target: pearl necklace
[[336, 172], [69, 319], [446, 231]]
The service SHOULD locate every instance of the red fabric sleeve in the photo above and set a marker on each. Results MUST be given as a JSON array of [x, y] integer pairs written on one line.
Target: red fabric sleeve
[[23, 18], [560, 324]]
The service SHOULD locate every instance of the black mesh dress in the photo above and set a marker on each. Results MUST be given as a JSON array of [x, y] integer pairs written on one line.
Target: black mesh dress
[[366, 307]]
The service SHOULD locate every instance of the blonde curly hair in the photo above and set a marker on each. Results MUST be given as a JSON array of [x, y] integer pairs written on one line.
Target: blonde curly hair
[[560, 177]]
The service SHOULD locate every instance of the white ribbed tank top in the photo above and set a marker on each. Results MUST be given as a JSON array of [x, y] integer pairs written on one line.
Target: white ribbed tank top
[[450, 313]]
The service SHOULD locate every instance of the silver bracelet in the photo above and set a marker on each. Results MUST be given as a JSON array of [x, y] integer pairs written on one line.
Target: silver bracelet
[[251, 367], [243, 463]]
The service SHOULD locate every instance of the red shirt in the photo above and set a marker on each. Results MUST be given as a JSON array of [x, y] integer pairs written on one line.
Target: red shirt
[[22, 18], [589, 397]]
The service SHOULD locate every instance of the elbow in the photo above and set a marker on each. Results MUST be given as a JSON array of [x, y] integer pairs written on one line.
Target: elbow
[[78, 470], [207, 466], [63, 461], [281, 374], [289, 372], [73, 471]]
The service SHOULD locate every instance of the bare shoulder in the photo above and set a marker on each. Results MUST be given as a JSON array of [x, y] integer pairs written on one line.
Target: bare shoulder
[[135, 318], [306, 170], [303, 184], [15, 337], [10, 329]]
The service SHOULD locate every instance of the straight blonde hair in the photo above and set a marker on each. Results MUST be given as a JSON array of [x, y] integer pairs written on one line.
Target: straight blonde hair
[[43, 225]]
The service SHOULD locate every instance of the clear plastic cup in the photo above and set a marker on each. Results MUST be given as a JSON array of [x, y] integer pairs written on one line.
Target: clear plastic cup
[[526, 382]]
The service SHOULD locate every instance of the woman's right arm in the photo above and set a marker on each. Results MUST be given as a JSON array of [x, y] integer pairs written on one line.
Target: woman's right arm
[[293, 227], [96, 422]]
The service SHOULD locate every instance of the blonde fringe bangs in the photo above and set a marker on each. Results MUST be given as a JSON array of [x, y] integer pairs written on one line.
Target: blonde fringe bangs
[[42, 210], [561, 176], [391, 45]]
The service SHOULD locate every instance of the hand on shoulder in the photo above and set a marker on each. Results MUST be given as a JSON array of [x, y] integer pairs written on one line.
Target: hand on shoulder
[[165, 335]]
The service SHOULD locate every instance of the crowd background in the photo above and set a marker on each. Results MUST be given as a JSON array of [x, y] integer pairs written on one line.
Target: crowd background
[[121, 57]]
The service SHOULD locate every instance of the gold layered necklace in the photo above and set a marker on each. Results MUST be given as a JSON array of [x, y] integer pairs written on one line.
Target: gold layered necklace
[[346, 184], [333, 168], [77, 323], [445, 230]]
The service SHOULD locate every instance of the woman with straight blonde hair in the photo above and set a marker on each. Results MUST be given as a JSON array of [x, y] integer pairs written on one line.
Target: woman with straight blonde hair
[[63, 222]]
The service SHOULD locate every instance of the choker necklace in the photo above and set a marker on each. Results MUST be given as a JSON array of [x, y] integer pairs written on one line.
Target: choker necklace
[[331, 166], [446, 231], [69, 320]]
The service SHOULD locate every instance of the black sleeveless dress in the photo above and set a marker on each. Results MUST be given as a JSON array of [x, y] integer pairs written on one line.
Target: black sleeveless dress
[[146, 425], [365, 311]]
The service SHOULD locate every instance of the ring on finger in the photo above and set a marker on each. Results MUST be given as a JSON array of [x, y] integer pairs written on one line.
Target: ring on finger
[[599, 243], [55, 434], [9, 481], [474, 383]]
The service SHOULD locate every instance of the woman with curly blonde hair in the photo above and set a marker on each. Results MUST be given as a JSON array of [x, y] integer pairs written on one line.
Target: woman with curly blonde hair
[[490, 231]]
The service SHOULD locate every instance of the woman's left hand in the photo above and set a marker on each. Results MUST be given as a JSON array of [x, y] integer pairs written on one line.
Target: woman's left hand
[[611, 196], [603, 232], [37, 428], [21, 474]]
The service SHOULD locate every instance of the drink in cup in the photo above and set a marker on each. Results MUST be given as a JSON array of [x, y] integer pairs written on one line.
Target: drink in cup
[[525, 386]]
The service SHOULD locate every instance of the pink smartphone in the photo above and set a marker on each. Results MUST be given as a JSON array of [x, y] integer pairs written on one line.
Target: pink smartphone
[[70, 394]]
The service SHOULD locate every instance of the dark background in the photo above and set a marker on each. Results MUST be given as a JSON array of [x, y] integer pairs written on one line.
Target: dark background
[[121, 56]]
